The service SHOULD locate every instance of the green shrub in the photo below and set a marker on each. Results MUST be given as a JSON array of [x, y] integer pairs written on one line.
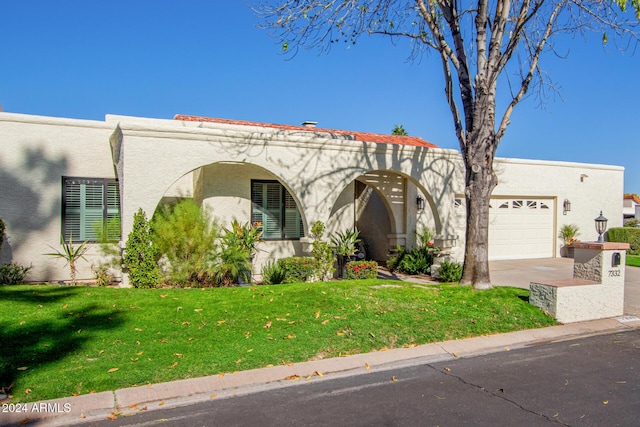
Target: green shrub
[[187, 236], [273, 273], [298, 269], [140, 256], [450, 272], [322, 252], [232, 264], [626, 235], [394, 259], [361, 270], [632, 222], [416, 261], [12, 274]]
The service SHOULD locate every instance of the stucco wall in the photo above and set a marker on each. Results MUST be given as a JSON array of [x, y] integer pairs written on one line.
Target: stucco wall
[[36, 153], [158, 159]]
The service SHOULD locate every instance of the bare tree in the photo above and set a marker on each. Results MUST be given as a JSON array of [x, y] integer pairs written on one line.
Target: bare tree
[[483, 45]]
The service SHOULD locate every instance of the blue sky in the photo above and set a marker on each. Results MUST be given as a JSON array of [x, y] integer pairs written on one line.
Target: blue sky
[[86, 59]]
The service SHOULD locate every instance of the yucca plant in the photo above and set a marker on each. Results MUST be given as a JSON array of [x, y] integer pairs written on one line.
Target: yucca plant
[[70, 254]]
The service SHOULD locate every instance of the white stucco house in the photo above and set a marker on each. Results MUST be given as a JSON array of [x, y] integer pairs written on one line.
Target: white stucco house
[[631, 207], [58, 176]]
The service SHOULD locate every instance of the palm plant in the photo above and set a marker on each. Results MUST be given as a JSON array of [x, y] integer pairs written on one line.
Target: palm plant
[[71, 255], [568, 233], [344, 245]]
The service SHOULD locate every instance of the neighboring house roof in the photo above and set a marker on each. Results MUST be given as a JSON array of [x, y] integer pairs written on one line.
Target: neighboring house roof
[[634, 197], [350, 135]]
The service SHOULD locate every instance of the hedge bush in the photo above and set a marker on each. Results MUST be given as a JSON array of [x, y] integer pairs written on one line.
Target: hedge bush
[[140, 254], [415, 261], [298, 269], [626, 235], [450, 272], [361, 270]]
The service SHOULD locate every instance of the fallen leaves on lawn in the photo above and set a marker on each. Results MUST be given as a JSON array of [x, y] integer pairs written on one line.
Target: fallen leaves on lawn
[[213, 396], [267, 325], [292, 377], [394, 379], [112, 370], [173, 366], [23, 368]]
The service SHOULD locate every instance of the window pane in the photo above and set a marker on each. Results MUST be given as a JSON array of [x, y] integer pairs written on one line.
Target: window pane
[[88, 204], [270, 201]]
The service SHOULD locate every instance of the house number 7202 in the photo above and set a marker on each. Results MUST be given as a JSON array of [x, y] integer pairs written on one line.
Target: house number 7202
[[615, 273]]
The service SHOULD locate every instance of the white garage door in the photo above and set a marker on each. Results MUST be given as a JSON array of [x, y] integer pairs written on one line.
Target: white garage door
[[521, 228]]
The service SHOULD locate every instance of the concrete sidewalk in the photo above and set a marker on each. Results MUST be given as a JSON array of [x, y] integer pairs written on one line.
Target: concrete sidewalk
[[99, 406]]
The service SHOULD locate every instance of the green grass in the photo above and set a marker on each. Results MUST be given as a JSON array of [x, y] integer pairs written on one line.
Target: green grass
[[633, 260], [59, 340]]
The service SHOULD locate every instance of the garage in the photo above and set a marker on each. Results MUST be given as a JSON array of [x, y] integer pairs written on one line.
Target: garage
[[521, 228]]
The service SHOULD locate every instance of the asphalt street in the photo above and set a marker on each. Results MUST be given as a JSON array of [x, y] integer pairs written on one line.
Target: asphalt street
[[593, 381]]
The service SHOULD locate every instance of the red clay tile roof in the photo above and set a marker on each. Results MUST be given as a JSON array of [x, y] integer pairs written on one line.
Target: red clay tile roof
[[633, 197], [355, 136]]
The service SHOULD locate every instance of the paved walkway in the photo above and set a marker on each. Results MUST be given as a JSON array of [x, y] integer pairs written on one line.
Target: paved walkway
[[520, 272], [99, 406]]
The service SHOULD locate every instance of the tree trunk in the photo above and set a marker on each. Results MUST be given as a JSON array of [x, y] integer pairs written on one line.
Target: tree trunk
[[480, 181]]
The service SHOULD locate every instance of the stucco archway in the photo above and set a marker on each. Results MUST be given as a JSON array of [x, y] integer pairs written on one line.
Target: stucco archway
[[382, 205]]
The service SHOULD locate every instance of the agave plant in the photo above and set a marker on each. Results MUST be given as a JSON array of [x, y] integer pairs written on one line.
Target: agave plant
[[70, 254]]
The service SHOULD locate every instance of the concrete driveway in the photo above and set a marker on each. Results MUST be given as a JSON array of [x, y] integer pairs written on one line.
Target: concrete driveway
[[519, 273]]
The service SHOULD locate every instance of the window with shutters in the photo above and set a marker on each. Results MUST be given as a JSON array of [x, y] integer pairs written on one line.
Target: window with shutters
[[275, 210], [90, 206]]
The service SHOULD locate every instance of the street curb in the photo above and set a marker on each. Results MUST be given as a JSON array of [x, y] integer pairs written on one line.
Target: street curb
[[128, 401]]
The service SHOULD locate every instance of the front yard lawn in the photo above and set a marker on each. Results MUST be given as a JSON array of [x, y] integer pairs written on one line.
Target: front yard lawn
[[60, 341], [633, 260]]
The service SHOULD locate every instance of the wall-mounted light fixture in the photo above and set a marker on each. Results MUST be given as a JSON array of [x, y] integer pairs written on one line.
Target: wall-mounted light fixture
[[420, 203], [566, 206], [601, 226]]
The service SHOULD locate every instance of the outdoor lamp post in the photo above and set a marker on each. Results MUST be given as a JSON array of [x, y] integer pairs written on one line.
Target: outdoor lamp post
[[601, 226]]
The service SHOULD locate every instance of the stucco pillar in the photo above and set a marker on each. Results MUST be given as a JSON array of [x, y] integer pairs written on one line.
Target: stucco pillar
[[596, 290]]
